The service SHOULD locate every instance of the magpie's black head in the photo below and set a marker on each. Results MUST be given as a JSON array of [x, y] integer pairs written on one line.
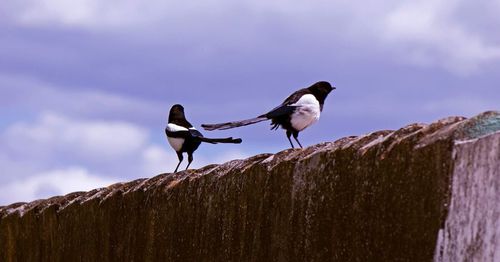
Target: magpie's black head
[[176, 113], [321, 90]]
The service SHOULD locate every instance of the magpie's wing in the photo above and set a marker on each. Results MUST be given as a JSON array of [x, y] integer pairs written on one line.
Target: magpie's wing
[[287, 107], [281, 110], [176, 131], [195, 133], [293, 98]]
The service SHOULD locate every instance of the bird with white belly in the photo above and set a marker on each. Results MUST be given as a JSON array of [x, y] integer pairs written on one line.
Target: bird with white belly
[[300, 110], [184, 138]]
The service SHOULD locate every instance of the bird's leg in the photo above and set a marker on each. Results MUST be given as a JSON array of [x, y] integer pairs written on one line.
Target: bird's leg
[[295, 136], [179, 155], [288, 134], [190, 159]]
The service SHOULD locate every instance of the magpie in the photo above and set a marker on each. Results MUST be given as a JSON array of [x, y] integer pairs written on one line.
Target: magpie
[[300, 110], [183, 137]]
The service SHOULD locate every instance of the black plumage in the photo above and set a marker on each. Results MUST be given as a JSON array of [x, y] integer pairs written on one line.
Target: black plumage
[[184, 138], [297, 112]]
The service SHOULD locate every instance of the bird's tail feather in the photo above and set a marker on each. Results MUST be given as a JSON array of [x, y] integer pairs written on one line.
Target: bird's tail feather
[[228, 140], [229, 125]]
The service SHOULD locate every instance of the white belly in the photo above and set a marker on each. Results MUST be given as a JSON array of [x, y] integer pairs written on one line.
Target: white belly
[[176, 143], [306, 114]]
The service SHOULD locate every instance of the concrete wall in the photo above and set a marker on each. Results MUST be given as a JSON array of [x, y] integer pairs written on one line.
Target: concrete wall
[[472, 228], [383, 196]]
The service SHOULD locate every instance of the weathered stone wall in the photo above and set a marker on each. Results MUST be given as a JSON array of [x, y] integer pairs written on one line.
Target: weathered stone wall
[[472, 228], [378, 197]]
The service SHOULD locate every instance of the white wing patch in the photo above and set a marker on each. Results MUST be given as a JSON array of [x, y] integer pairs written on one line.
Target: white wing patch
[[307, 113], [174, 128]]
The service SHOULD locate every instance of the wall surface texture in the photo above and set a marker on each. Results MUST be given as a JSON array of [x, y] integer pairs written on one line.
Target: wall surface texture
[[422, 192]]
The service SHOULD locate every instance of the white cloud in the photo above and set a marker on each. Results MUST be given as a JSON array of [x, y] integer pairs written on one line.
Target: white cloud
[[110, 14], [38, 95], [52, 183], [157, 160], [54, 141], [55, 155], [84, 12], [115, 14], [428, 33], [53, 134]]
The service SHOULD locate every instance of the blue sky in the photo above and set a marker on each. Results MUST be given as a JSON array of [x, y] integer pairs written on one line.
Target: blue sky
[[86, 85]]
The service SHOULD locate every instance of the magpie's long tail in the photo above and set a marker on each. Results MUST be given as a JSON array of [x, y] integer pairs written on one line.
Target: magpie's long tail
[[229, 125], [228, 140]]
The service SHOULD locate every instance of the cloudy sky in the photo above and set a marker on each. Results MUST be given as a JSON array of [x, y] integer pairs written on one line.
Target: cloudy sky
[[86, 85]]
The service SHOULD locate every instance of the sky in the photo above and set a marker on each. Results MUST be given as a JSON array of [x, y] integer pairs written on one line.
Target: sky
[[86, 85]]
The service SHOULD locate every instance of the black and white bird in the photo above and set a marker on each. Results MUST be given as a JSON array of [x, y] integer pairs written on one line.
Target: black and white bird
[[300, 110], [184, 138]]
